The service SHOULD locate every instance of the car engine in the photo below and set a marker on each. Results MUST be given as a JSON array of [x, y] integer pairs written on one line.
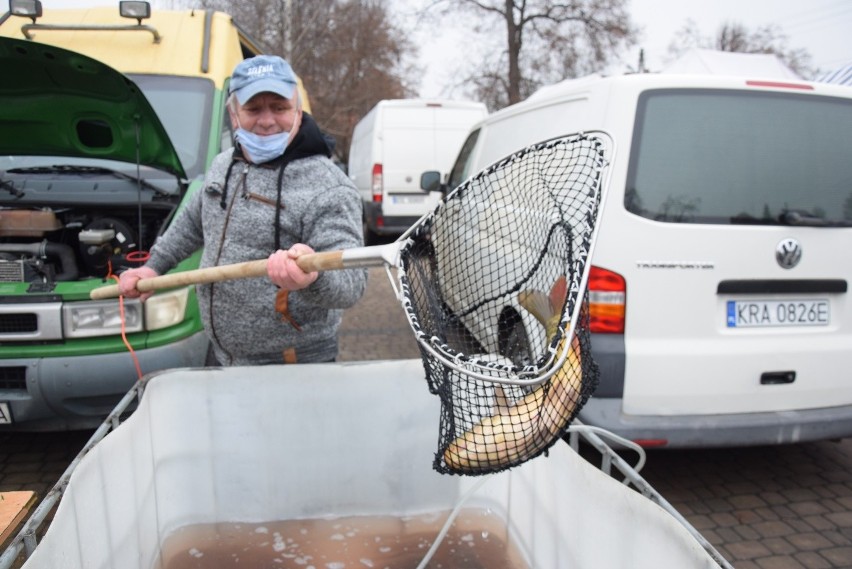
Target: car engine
[[44, 246]]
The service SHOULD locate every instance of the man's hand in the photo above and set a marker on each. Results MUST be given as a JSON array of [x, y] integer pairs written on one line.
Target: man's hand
[[128, 279], [283, 271]]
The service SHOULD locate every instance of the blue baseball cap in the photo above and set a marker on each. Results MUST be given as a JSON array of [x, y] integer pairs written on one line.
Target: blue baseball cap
[[260, 74]]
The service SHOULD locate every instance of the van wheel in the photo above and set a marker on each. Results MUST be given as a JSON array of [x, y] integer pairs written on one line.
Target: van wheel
[[514, 342], [370, 236]]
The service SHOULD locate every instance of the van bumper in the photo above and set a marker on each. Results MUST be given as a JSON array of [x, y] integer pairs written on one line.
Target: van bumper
[[701, 431], [380, 224], [72, 393]]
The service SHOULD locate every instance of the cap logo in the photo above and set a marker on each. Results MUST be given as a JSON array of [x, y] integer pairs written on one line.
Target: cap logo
[[260, 69]]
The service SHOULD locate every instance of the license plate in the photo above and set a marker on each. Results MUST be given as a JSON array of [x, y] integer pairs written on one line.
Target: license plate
[[759, 313], [5, 414], [404, 199]]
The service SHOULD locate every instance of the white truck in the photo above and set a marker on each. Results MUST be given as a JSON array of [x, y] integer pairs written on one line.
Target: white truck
[[392, 145]]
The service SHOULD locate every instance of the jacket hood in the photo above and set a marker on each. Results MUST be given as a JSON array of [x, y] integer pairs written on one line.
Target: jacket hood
[[309, 141], [55, 102]]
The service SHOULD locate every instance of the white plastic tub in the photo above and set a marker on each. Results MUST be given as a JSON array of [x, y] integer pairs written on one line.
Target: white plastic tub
[[265, 444]]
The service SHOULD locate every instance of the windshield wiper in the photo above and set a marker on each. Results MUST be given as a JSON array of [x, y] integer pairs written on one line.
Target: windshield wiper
[[70, 169], [10, 187], [804, 219], [797, 217]]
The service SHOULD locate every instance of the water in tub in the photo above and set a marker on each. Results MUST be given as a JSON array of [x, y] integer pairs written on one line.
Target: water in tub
[[477, 539]]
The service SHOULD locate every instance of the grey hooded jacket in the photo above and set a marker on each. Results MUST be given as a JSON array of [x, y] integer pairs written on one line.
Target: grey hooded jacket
[[233, 218]]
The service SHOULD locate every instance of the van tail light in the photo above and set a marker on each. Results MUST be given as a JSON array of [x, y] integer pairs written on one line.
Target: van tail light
[[607, 295], [651, 443], [377, 183], [780, 85]]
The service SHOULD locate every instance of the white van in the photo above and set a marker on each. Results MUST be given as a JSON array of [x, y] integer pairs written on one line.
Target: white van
[[720, 312], [393, 145]]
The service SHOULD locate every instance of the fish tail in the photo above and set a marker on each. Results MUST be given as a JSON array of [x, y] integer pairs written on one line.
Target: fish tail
[[536, 303], [546, 308]]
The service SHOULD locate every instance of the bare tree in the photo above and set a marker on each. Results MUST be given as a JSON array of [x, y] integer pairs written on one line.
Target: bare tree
[[544, 41], [358, 58], [735, 37], [348, 53]]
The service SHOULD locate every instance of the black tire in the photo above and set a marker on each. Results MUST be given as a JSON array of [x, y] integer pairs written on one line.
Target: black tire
[[370, 236]]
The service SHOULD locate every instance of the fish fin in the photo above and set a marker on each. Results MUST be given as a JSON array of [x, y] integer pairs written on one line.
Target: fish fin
[[558, 294], [547, 309]]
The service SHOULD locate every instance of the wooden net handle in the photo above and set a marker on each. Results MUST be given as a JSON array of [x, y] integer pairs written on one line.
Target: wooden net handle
[[326, 261]]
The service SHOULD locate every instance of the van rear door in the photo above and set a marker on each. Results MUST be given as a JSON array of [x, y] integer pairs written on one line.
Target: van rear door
[[733, 241], [411, 146], [420, 136]]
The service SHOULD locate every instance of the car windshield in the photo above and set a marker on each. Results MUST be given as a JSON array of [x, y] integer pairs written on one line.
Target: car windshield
[[702, 156], [461, 169], [183, 105]]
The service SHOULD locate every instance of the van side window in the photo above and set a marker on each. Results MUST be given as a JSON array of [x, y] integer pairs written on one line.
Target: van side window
[[461, 169]]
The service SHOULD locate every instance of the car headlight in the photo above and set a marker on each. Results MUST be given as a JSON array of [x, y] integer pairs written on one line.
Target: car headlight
[[166, 309], [100, 318], [103, 317]]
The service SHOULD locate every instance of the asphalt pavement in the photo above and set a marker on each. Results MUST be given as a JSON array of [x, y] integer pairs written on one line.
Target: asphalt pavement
[[785, 507]]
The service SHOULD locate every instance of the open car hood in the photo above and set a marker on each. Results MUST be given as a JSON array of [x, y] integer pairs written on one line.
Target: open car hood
[[55, 102]]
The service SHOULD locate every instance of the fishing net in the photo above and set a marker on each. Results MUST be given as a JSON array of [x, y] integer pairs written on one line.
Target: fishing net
[[494, 286], [493, 282]]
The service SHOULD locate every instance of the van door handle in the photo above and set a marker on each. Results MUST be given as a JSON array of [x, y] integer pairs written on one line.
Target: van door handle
[[777, 377]]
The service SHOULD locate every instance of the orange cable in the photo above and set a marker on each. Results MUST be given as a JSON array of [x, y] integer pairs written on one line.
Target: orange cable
[[123, 330]]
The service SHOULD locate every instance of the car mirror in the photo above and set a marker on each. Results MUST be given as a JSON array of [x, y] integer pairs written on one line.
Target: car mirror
[[430, 181]]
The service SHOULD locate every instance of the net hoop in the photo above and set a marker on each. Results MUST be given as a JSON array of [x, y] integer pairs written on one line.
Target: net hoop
[[490, 370]]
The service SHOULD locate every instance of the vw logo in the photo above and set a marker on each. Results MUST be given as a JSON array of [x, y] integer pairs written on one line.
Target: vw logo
[[788, 253]]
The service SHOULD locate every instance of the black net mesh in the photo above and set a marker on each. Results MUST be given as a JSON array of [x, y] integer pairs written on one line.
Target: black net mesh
[[494, 286]]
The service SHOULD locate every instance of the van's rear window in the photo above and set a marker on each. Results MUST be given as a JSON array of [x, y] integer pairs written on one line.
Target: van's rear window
[[710, 156]]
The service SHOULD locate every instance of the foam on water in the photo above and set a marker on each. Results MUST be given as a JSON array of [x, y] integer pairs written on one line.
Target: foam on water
[[476, 540]]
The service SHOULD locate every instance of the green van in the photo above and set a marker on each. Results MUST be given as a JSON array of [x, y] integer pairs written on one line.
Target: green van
[[107, 124]]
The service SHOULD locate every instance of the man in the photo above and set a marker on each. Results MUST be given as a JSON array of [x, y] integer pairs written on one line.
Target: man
[[276, 194]]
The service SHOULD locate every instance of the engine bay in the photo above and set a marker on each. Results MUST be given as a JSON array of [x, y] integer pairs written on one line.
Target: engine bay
[[43, 246]]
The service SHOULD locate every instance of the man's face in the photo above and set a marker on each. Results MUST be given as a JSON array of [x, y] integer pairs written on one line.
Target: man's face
[[268, 113]]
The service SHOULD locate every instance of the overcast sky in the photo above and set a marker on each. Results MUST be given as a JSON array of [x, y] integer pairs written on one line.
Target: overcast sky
[[823, 27]]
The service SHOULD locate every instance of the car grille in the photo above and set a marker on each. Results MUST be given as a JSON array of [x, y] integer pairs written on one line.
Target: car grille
[[13, 377], [18, 323], [31, 321]]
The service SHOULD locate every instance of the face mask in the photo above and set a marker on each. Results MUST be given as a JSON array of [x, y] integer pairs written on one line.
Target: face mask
[[262, 149]]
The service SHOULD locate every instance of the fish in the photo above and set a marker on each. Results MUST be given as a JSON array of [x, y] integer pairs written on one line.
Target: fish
[[516, 432]]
